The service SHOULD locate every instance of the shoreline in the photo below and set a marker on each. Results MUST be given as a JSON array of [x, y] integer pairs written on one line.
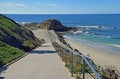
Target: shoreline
[[97, 55], [105, 46]]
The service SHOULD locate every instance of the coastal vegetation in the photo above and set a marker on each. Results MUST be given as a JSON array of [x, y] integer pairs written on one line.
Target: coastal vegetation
[[16, 35], [8, 53], [75, 63], [14, 40], [105, 73]]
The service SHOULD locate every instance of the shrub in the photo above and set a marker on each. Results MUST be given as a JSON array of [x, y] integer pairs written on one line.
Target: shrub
[[29, 44]]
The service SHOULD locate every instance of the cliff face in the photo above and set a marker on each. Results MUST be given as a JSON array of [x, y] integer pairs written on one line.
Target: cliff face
[[53, 24], [15, 35]]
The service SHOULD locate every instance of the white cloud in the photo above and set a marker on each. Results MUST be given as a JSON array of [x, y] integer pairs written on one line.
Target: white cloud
[[21, 5], [46, 4], [5, 4], [12, 5], [51, 4], [38, 3]]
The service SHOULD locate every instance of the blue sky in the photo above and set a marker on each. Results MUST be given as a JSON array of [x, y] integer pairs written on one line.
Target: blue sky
[[59, 6]]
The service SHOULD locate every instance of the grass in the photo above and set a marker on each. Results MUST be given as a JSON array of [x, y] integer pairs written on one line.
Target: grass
[[24, 38], [10, 29], [8, 53], [7, 23], [7, 27]]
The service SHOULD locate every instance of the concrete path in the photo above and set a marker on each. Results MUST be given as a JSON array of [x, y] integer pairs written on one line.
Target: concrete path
[[42, 34], [41, 63]]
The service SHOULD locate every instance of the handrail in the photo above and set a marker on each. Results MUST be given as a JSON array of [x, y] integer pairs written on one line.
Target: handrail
[[84, 60], [91, 67]]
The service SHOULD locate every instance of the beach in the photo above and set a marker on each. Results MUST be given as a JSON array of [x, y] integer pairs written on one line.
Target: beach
[[100, 57]]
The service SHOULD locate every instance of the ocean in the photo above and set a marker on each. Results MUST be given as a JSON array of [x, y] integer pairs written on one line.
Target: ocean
[[105, 38]]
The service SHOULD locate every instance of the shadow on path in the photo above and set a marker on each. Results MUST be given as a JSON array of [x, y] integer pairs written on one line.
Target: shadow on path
[[46, 46], [42, 52], [2, 69], [2, 77]]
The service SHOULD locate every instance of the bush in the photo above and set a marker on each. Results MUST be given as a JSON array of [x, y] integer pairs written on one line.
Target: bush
[[29, 44]]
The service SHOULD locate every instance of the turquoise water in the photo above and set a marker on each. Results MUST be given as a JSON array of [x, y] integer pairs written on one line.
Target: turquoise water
[[106, 38], [101, 39], [100, 42]]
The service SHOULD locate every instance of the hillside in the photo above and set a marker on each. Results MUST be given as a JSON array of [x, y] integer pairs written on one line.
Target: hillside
[[14, 40], [16, 35], [8, 53]]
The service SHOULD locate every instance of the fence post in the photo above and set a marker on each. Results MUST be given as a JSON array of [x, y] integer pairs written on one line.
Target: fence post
[[84, 61], [72, 63], [65, 57], [60, 52], [83, 68]]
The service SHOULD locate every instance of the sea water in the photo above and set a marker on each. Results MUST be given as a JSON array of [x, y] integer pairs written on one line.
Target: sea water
[[105, 38]]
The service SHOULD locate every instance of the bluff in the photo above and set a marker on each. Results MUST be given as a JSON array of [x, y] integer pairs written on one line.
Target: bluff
[[15, 35], [53, 24], [14, 40]]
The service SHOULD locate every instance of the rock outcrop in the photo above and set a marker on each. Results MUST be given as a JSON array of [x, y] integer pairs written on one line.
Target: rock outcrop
[[53, 24]]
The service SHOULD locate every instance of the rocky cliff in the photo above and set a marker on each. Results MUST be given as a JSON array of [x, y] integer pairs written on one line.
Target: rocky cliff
[[53, 24]]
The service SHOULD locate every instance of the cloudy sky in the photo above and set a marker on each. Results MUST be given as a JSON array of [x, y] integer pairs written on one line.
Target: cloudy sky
[[59, 6]]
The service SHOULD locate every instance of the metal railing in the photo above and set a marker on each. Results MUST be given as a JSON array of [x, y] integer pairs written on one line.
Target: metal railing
[[61, 48]]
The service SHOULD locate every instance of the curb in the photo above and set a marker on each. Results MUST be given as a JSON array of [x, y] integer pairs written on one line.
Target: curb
[[4, 67]]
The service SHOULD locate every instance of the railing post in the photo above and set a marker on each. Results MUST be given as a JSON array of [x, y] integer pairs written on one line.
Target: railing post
[[65, 57], [72, 63], [84, 61], [60, 52], [83, 68]]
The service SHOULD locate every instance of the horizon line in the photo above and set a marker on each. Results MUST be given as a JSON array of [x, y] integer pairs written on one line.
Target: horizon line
[[60, 13]]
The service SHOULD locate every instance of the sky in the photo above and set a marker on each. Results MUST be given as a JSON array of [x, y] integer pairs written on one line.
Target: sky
[[59, 6]]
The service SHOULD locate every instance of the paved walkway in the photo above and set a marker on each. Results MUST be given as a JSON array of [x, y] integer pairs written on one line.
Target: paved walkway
[[41, 63]]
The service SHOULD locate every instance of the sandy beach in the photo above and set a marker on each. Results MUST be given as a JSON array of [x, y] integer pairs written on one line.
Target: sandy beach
[[100, 57]]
